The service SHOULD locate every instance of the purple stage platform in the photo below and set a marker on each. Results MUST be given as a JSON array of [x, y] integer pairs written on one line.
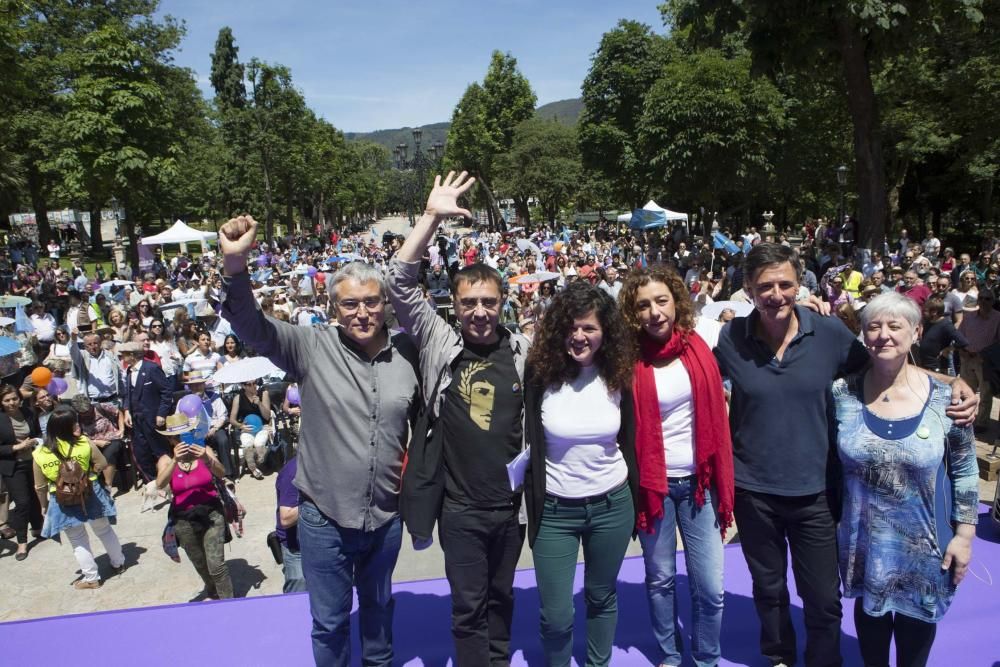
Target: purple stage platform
[[275, 630]]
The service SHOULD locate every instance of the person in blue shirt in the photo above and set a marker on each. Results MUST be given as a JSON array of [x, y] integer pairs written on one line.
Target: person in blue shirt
[[782, 361]]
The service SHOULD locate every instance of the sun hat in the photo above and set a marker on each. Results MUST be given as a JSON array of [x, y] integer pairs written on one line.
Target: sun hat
[[130, 348], [178, 424]]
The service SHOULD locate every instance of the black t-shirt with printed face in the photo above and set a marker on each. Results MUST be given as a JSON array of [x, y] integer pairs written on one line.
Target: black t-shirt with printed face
[[481, 418]]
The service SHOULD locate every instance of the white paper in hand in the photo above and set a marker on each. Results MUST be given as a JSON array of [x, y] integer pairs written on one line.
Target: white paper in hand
[[516, 468]]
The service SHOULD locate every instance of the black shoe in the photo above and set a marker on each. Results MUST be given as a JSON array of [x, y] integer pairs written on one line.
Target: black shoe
[[21, 556]]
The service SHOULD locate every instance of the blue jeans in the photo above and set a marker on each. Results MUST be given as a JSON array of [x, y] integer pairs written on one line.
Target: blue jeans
[[699, 528], [291, 567], [334, 559]]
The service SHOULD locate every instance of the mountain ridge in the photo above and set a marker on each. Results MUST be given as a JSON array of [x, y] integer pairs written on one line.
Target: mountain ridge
[[564, 111]]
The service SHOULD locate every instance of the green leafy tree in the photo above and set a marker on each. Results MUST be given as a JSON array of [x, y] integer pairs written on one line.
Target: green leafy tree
[[543, 162], [119, 132], [629, 60], [278, 115], [788, 35], [708, 127], [482, 125]]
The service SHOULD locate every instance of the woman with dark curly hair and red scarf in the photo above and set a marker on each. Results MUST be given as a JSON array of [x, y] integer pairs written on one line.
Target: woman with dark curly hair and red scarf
[[582, 479], [685, 460]]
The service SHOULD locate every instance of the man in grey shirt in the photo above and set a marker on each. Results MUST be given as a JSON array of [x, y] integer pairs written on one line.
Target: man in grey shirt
[[359, 393]]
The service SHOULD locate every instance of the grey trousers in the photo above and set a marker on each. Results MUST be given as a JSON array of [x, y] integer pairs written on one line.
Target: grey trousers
[[205, 546]]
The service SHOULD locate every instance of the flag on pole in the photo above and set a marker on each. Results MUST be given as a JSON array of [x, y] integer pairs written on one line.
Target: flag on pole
[[721, 241]]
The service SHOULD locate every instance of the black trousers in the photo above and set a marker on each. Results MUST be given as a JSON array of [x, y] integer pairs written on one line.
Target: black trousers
[[220, 443], [914, 638], [481, 548], [769, 526], [147, 445], [27, 511]]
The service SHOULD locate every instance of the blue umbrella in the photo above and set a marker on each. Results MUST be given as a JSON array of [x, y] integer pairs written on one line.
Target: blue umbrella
[[9, 346]]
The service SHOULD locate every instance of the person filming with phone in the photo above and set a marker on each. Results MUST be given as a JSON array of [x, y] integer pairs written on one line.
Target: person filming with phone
[[199, 519]]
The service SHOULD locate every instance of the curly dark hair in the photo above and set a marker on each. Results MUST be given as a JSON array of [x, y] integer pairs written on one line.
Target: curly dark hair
[[548, 361], [658, 273]]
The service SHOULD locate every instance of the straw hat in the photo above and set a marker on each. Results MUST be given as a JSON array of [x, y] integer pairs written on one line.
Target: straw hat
[[178, 424], [198, 375], [132, 348]]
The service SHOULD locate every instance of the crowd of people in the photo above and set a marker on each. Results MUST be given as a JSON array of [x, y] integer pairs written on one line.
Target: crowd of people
[[815, 409]]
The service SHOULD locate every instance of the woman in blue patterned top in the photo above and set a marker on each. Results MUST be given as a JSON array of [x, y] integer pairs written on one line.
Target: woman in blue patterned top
[[910, 488]]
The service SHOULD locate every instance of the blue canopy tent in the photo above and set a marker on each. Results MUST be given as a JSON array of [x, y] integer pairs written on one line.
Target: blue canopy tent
[[652, 216]]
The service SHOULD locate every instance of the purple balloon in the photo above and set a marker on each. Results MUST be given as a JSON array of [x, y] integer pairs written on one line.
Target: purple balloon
[[190, 405], [293, 396], [312, 271], [57, 386], [262, 260]]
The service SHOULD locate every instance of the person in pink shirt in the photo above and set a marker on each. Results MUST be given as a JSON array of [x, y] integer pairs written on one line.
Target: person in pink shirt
[[197, 511]]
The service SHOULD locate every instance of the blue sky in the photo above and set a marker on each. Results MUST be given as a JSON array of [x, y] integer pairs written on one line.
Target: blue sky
[[375, 64]]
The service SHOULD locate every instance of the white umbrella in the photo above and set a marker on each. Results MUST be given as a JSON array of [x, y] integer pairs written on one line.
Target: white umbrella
[[713, 310], [267, 289], [116, 283], [537, 277], [180, 303], [6, 321], [245, 370], [524, 244], [513, 230]]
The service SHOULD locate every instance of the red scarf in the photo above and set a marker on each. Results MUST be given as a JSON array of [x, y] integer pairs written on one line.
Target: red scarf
[[713, 447]]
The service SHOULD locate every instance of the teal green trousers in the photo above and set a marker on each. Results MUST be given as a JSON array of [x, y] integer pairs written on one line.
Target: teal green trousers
[[603, 527]]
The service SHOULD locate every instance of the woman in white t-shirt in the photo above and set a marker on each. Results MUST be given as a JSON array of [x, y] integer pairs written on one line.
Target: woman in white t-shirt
[[684, 457], [581, 481]]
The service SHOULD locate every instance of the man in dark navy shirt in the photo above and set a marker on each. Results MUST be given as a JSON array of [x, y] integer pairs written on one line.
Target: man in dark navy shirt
[[782, 360]]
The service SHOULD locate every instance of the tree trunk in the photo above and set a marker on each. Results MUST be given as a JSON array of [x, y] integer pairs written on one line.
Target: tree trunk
[[899, 178], [268, 201], [96, 233], [986, 209], [873, 202], [497, 223], [523, 212], [38, 202]]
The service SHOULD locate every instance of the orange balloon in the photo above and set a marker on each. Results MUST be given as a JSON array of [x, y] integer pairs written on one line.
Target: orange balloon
[[41, 376]]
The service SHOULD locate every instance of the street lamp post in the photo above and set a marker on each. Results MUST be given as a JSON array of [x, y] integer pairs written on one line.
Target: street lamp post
[[415, 168], [841, 183]]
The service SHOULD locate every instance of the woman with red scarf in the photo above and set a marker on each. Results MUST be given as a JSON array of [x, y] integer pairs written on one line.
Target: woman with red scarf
[[685, 460]]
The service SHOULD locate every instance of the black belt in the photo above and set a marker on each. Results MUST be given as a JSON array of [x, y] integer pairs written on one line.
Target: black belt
[[105, 399], [587, 500]]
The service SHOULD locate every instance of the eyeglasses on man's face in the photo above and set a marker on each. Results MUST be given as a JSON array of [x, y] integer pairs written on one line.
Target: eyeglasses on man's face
[[372, 304], [489, 303]]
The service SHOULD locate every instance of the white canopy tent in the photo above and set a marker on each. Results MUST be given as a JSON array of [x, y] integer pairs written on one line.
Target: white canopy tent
[[625, 217], [179, 233]]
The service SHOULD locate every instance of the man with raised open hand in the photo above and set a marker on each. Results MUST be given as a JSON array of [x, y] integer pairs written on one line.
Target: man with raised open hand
[[456, 475], [359, 389]]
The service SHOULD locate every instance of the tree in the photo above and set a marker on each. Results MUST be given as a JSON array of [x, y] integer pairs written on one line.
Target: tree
[[787, 35], [627, 63], [543, 162], [482, 125], [708, 127], [277, 114], [118, 132]]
